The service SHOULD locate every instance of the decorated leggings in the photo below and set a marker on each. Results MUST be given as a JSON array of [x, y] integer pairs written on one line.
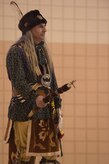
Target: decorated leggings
[[20, 131]]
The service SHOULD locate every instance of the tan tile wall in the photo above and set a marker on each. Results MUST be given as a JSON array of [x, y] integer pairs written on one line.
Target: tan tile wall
[[78, 37], [85, 109]]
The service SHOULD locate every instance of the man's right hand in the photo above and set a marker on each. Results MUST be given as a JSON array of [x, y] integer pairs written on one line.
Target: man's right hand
[[39, 102]]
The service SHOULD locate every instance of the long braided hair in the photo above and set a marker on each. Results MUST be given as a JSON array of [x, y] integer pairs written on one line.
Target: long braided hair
[[27, 43]]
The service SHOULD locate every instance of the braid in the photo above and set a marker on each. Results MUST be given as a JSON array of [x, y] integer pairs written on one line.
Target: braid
[[31, 53], [27, 43]]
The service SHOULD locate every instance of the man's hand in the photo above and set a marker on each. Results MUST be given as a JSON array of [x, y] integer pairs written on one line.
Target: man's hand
[[39, 102]]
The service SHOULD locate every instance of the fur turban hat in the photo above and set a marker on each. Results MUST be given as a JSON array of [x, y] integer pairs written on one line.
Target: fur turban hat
[[31, 19]]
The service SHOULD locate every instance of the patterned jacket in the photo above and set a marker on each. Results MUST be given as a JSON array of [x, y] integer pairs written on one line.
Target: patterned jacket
[[22, 77]]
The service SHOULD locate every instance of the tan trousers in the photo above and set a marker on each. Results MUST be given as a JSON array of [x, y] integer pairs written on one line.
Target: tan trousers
[[20, 129]]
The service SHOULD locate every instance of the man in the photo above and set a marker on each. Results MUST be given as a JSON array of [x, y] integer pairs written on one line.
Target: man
[[35, 129]]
